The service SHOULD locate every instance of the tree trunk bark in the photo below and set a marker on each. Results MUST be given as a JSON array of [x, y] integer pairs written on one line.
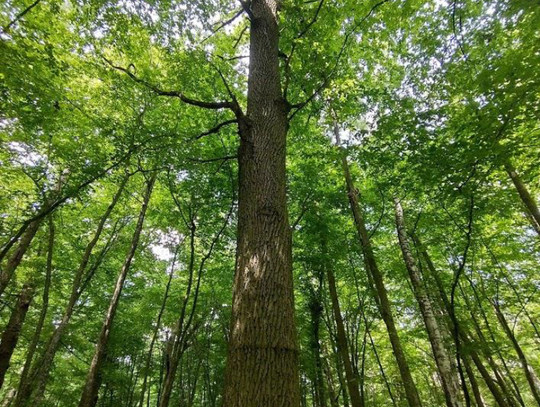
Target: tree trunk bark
[[444, 364], [474, 384], [13, 262], [497, 395], [316, 308], [262, 361], [381, 295], [44, 308], [148, 359], [528, 200], [532, 379], [343, 348], [91, 388], [12, 332], [34, 388]]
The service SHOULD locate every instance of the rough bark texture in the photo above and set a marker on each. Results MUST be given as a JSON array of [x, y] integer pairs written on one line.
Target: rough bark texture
[[91, 388], [262, 362], [12, 332], [350, 376], [532, 379], [442, 359], [34, 388], [528, 200], [381, 295]]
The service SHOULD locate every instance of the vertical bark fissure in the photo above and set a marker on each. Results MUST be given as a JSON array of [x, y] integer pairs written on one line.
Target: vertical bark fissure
[[91, 388], [442, 359], [262, 361]]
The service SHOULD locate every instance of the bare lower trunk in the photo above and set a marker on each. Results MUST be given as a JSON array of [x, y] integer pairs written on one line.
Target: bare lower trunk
[[442, 359], [529, 202], [148, 360], [530, 374], [381, 295], [44, 308], [474, 384], [262, 361], [12, 332], [343, 348], [316, 308], [494, 389], [34, 388], [91, 388], [13, 262]]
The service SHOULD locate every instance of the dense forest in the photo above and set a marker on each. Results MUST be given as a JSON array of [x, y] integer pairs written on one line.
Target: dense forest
[[267, 203]]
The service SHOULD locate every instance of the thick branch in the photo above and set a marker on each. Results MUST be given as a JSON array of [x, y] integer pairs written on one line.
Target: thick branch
[[173, 93]]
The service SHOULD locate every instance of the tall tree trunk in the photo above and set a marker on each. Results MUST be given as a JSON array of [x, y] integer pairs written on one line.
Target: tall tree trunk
[[474, 384], [91, 388], [381, 368], [13, 262], [44, 307], [532, 379], [435, 335], [12, 332], [343, 348], [34, 388], [148, 360], [262, 361], [176, 341], [497, 395], [528, 200], [381, 295], [316, 309]]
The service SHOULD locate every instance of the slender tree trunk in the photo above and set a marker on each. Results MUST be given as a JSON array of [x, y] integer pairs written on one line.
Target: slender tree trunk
[[500, 378], [12, 332], [316, 308], [91, 388], [262, 361], [444, 364], [44, 307], [148, 359], [530, 374], [528, 200], [13, 262], [343, 348], [381, 368], [35, 387], [381, 295], [497, 395], [474, 384], [176, 342]]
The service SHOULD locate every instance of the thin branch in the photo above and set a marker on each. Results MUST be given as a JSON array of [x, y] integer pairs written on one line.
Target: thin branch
[[19, 16], [326, 80], [225, 23], [246, 6], [210, 160], [215, 129]]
